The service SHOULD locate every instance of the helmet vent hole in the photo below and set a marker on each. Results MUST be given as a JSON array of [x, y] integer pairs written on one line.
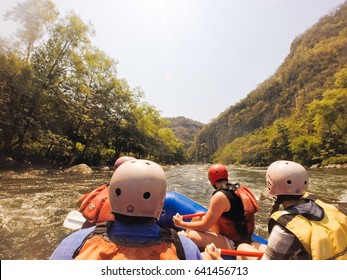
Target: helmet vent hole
[[118, 192], [146, 195], [289, 182]]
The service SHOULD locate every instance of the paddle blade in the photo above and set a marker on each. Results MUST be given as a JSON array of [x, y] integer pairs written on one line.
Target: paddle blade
[[74, 220]]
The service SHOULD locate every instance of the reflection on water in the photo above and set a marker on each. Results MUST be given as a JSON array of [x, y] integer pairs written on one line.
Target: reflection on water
[[33, 205]]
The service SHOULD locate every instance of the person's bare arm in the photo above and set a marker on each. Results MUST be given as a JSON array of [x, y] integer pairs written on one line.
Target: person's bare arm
[[219, 203]]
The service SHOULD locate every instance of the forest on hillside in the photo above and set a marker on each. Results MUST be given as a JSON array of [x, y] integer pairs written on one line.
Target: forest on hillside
[[185, 129], [62, 102], [299, 113]]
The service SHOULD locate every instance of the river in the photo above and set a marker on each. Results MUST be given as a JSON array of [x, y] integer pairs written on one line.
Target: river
[[34, 204]]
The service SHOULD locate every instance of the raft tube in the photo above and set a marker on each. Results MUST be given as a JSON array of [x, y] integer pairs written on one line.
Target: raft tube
[[178, 203]]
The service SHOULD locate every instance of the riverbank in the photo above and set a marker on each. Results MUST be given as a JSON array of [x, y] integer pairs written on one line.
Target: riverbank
[[329, 166], [8, 163]]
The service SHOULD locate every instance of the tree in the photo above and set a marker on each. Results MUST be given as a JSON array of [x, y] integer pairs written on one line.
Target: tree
[[65, 104], [329, 121], [280, 144], [53, 63], [34, 16], [172, 149], [16, 99]]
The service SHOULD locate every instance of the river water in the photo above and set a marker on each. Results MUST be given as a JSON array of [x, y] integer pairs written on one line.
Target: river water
[[34, 204]]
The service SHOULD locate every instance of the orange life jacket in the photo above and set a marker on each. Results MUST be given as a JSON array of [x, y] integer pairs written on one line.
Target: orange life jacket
[[238, 223], [99, 246], [96, 207]]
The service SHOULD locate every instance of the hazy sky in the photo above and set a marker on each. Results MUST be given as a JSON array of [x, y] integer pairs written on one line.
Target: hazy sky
[[193, 58]]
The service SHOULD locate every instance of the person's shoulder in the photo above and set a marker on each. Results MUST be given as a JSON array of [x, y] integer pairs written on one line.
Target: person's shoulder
[[220, 194], [220, 197]]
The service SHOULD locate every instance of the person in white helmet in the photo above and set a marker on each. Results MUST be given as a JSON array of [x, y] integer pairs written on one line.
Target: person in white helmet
[[306, 228], [137, 192], [95, 205]]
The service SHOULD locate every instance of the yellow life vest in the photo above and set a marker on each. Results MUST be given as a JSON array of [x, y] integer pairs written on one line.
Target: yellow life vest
[[325, 239]]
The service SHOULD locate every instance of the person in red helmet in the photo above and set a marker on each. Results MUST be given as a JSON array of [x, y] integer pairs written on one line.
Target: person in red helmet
[[230, 217], [95, 206]]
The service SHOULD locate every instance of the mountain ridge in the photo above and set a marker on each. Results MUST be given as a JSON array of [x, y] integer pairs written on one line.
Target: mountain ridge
[[307, 72]]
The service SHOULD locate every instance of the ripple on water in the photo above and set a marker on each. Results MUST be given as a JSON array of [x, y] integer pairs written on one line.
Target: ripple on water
[[34, 206]]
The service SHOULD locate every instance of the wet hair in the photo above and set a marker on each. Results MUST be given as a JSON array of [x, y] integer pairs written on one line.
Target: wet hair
[[222, 180]]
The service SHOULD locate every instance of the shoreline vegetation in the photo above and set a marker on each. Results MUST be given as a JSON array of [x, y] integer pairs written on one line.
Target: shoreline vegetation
[[62, 103], [9, 163]]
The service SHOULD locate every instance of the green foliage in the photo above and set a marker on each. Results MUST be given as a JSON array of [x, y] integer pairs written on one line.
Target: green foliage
[[173, 148], [62, 101], [34, 16], [305, 149], [279, 147], [335, 160], [250, 150], [299, 113], [185, 129], [17, 98]]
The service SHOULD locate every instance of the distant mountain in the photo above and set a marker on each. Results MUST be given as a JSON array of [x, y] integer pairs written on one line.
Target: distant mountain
[[185, 129], [289, 115]]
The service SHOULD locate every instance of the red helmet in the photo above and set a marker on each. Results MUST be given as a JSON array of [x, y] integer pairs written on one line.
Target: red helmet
[[121, 160], [216, 172]]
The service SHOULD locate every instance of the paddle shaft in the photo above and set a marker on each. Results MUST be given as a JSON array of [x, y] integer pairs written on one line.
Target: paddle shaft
[[188, 216], [241, 253]]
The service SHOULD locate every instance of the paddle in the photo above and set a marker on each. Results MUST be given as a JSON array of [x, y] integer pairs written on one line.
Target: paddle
[[230, 252], [255, 237], [74, 220], [188, 216]]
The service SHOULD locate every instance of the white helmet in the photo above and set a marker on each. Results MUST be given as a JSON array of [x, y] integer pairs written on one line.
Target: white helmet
[[286, 178], [138, 189], [121, 160]]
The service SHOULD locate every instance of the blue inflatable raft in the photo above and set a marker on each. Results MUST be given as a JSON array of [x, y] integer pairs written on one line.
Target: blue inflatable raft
[[178, 203]]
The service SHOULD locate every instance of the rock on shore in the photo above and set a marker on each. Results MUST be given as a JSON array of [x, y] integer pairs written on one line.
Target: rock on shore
[[80, 168]]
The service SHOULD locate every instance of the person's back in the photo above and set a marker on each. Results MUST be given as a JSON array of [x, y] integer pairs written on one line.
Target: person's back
[[137, 194], [226, 220], [307, 228], [68, 246], [315, 229], [238, 223], [133, 241], [319, 227]]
